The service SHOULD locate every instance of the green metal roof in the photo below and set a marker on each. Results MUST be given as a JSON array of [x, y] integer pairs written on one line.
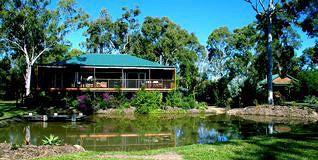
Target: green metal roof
[[111, 60], [264, 81]]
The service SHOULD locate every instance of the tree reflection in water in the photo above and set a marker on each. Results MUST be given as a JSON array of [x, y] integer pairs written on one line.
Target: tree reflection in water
[[207, 136], [103, 133]]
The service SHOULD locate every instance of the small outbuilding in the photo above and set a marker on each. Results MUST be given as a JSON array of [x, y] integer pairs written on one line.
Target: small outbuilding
[[281, 85]]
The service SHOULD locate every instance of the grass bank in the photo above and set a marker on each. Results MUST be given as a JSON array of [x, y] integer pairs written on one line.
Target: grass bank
[[8, 110], [255, 148]]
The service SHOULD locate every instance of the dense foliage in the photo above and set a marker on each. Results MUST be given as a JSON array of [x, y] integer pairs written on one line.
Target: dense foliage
[[29, 29], [309, 82], [237, 59], [147, 101], [156, 39], [177, 99], [226, 73]]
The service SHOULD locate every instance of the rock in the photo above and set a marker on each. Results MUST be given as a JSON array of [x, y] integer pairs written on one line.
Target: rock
[[79, 148], [193, 111], [215, 110], [130, 110]]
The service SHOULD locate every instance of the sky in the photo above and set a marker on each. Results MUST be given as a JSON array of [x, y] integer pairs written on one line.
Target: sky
[[198, 16]]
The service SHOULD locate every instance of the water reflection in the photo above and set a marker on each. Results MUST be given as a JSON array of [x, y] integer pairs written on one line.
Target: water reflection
[[147, 132], [207, 136]]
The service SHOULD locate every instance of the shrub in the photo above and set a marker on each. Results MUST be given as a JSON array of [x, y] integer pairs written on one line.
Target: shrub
[[177, 99], [311, 100], [104, 101], [71, 102], [147, 101], [188, 102], [201, 106], [174, 99], [125, 105], [52, 140], [113, 102], [97, 103], [15, 146], [309, 82], [85, 104]]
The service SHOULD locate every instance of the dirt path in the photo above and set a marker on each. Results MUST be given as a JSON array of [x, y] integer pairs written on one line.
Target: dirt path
[[162, 156]]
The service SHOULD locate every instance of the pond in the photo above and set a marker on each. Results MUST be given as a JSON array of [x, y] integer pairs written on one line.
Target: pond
[[151, 132]]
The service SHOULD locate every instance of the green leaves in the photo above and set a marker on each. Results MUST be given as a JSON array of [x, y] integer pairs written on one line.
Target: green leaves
[[147, 101], [107, 36], [157, 38], [304, 14], [310, 57], [231, 52], [32, 25], [161, 39], [52, 140]]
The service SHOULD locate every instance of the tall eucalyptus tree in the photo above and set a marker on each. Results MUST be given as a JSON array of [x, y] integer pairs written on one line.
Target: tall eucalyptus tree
[[103, 35], [267, 12], [29, 29]]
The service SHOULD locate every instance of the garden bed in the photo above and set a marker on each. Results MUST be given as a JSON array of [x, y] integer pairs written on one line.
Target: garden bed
[[31, 151]]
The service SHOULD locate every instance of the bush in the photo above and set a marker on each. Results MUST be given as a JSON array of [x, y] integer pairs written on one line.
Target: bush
[[177, 99], [201, 106], [188, 102], [147, 101], [174, 99], [311, 100], [71, 103], [15, 146], [85, 104], [52, 140], [309, 82]]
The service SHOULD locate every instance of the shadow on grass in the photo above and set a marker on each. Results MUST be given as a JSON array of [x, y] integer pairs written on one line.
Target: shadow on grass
[[7, 106], [272, 148], [9, 109]]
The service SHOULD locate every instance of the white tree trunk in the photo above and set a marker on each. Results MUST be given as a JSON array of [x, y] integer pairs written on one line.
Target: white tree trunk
[[269, 54], [27, 79], [27, 135], [270, 67]]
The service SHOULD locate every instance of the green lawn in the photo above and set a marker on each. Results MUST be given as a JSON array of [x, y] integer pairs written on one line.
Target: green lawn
[[8, 109], [254, 148]]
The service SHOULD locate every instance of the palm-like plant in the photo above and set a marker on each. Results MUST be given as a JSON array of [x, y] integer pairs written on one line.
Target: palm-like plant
[[52, 140]]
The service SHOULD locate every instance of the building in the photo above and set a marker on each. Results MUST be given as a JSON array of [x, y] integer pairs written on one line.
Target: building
[[281, 85], [105, 73], [279, 81]]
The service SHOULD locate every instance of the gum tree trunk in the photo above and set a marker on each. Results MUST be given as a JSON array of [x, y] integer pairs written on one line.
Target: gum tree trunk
[[27, 79], [269, 55]]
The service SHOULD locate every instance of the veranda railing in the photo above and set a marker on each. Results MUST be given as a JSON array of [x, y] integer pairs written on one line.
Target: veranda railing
[[127, 83]]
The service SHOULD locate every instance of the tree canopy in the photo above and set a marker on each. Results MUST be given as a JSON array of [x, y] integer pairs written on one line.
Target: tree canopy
[[107, 36], [29, 29], [225, 71]]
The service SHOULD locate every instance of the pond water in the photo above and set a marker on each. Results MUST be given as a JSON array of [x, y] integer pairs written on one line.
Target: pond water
[[150, 132]]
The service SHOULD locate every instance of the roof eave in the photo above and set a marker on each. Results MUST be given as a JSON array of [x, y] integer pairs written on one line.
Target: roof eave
[[102, 66]]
